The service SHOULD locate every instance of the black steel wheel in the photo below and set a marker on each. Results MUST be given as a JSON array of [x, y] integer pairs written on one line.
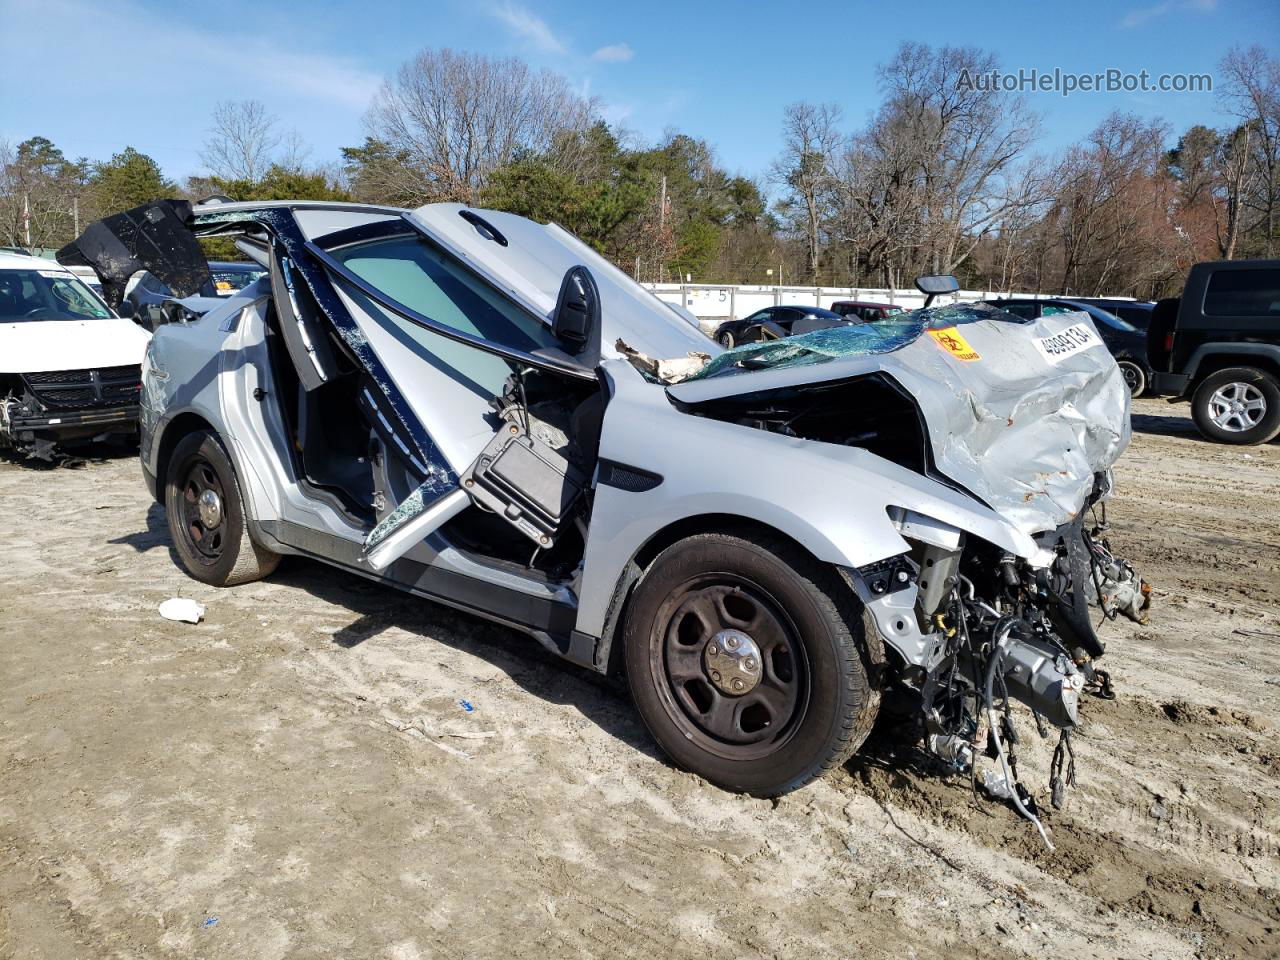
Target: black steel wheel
[[206, 515], [749, 662], [730, 666]]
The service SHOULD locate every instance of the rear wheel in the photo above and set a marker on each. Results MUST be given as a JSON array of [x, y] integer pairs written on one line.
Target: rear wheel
[[207, 517], [1238, 405], [749, 662], [726, 340]]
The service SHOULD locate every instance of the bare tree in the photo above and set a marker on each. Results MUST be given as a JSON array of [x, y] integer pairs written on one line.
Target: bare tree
[[1250, 91], [811, 142], [450, 119], [1232, 161], [1111, 212], [242, 141], [294, 152], [965, 142]]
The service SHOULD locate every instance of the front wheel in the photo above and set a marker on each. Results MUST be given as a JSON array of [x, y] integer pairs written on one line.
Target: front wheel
[[749, 662], [1238, 405], [1135, 378]]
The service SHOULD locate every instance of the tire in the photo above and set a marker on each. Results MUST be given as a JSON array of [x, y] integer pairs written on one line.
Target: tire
[[1135, 378], [811, 703], [1239, 405], [726, 340], [212, 542]]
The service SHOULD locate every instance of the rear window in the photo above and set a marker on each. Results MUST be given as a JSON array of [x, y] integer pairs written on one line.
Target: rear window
[[1135, 316], [1243, 293]]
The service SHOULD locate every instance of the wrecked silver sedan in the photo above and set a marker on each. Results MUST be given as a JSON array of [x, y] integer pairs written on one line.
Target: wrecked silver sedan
[[460, 403]]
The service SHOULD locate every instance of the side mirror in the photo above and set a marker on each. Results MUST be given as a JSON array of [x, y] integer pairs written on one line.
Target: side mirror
[[932, 286], [577, 318]]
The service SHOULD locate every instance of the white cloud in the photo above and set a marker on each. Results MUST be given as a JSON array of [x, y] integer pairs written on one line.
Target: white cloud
[[614, 53], [1136, 18], [150, 77], [531, 27], [166, 50]]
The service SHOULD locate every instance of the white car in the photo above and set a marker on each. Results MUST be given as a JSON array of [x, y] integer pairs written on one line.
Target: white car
[[70, 369]]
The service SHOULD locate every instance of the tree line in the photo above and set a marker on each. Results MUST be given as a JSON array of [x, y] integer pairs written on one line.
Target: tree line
[[943, 178]]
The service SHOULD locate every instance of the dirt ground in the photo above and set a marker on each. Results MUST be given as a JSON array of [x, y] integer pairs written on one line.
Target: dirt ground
[[327, 768]]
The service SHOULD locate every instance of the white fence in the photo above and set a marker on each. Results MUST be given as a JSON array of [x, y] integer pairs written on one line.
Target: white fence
[[720, 302]]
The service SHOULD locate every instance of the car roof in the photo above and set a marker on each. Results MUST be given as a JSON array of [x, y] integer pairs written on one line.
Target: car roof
[[18, 261], [809, 310], [861, 303], [1107, 302]]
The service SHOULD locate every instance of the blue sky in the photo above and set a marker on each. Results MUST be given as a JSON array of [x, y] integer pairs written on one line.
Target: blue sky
[[96, 76]]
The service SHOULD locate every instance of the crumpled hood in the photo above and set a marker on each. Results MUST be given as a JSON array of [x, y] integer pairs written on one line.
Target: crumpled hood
[[36, 347], [1022, 414]]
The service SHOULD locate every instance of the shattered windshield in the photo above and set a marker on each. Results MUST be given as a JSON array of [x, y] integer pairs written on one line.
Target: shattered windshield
[[853, 340], [38, 295]]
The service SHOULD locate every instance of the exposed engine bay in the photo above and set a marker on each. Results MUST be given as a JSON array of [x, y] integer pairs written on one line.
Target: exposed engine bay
[[1015, 632], [42, 413]]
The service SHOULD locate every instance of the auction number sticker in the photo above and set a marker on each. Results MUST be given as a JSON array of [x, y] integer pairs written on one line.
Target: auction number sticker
[[951, 340], [1067, 343]]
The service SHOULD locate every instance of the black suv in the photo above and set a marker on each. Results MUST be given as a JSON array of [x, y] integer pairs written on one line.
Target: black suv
[[1219, 346]]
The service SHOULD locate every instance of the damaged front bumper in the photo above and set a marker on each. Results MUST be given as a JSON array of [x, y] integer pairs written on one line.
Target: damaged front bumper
[[38, 433], [975, 627]]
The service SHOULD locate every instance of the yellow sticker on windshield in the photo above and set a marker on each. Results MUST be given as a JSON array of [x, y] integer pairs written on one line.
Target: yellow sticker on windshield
[[951, 340]]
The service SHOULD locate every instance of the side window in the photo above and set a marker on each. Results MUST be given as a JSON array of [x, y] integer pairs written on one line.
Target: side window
[[1135, 317], [1243, 293], [417, 274], [411, 271], [152, 284]]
